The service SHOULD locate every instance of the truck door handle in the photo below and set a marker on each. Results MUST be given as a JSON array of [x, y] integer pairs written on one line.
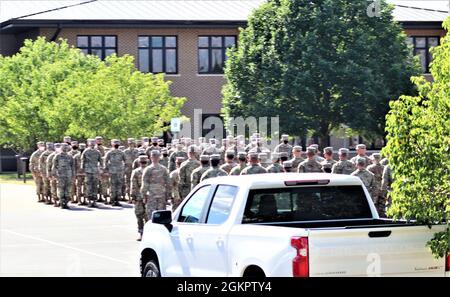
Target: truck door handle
[[219, 241], [374, 234]]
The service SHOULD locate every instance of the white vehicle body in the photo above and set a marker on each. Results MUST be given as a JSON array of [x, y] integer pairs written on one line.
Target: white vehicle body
[[334, 248]]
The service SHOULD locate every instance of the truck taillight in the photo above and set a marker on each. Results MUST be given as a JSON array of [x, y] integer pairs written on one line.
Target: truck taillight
[[447, 263], [300, 264]]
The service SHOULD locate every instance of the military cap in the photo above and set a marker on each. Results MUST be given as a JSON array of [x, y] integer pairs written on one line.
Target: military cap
[[328, 149], [90, 141], [164, 150], [179, 145], [131, 140], [40, 143], [141, 151], [361, 146], [212, 141], [58, 145], [361, 161], [155, 153], [49, 144], [283, 154], [74, 142], [297, 148], [161, 140], [253, 155], [65, 147], [343, 150], [314, 145], [214, 157], [145, 139], [285, 137], [275, 156], [242, 154], [179, 159], [98, 138], [67, 139], [122, 147], [154, 139], [143, 159], [311, 149], [82, 146], [115, 141], [376, 156], [204, 158], [287, 164], [192, 149], [229, 153], [262, 156]]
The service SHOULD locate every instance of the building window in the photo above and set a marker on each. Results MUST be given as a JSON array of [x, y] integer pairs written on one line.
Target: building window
[[212, 52], [99, 45], [158, 54], [421, 46]]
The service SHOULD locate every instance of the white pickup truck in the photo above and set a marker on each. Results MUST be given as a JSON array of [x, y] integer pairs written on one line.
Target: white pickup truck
[[290, 224]]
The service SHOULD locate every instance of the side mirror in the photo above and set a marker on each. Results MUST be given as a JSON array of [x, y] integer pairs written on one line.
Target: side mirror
[[163, 217]]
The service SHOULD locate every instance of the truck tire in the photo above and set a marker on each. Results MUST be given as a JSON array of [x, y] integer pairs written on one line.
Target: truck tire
[[151, 270]]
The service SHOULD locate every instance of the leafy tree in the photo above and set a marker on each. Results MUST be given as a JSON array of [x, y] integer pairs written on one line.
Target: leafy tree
[[418, 134], [50, 89], [317, 65]]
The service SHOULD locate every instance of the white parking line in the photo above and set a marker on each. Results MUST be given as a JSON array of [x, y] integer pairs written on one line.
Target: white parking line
[[66, 246]]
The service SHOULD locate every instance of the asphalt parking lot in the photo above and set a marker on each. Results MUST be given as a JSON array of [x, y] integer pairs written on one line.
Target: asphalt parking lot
[[42, 240]]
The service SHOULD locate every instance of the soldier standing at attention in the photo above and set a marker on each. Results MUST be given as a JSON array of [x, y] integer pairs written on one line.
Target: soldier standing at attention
[[254, 167], [377, 169], [361, 152], [242, 158], [276, 166], [165, 157], [67, 140], [53, 185], [366, 176], [343, 166], [43, 170], [131, 154], [175, 183], [72, 153], [284, 146], [91, 162], [177, 153], [186, 170], [317, 152], [136, 196], [297, 159], [115, 166], [155, 184], [79, 179], [198, 172], [214, 170], [34, 168], [229, 161], [104, 178], [64, 171], [310, 164], [328, 163]]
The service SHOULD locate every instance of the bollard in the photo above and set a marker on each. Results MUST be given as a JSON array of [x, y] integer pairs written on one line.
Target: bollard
[[24, 169]]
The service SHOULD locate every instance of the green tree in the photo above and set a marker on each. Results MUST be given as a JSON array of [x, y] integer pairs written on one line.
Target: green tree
[[418, 134], [317, 65], [50, 89]]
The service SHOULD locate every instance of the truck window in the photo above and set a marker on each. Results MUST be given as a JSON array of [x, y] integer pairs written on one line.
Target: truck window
[[306, 204], [221, 204], [192, 210]]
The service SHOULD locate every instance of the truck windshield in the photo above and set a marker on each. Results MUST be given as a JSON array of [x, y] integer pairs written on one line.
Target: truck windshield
[[306, 204]]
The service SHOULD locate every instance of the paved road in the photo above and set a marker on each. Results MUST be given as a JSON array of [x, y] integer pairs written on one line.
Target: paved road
[[42, 240]]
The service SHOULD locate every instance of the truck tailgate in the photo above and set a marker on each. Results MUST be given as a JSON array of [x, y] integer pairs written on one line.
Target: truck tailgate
[[366, 251]]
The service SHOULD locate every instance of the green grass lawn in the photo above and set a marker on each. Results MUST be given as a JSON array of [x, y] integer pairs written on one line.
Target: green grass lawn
[[11, 178]]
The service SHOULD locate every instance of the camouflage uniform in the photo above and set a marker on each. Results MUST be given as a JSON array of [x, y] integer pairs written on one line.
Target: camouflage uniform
[[115, 166], [230, 164], [64, 171], [185, 174], [214, 170], [367, 177], [103, 182], [284, 147], [275, 168], [91, 161], [178, 153], [34, 168], [131, 154], [155, 184], [327, 165], [309, 165], [138, 199], [74, 150], [343, 166], [296, 160], [164, 158], [253, 168], [79, 188], [386, 183], [53, 183], [43, 170], [377, 169], [355, 158], [198, 172]]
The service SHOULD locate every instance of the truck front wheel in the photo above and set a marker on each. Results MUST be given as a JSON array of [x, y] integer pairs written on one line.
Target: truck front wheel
[[151, 269]]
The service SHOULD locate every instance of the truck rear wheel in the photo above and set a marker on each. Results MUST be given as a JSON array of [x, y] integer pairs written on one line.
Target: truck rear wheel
[[151, 269]]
